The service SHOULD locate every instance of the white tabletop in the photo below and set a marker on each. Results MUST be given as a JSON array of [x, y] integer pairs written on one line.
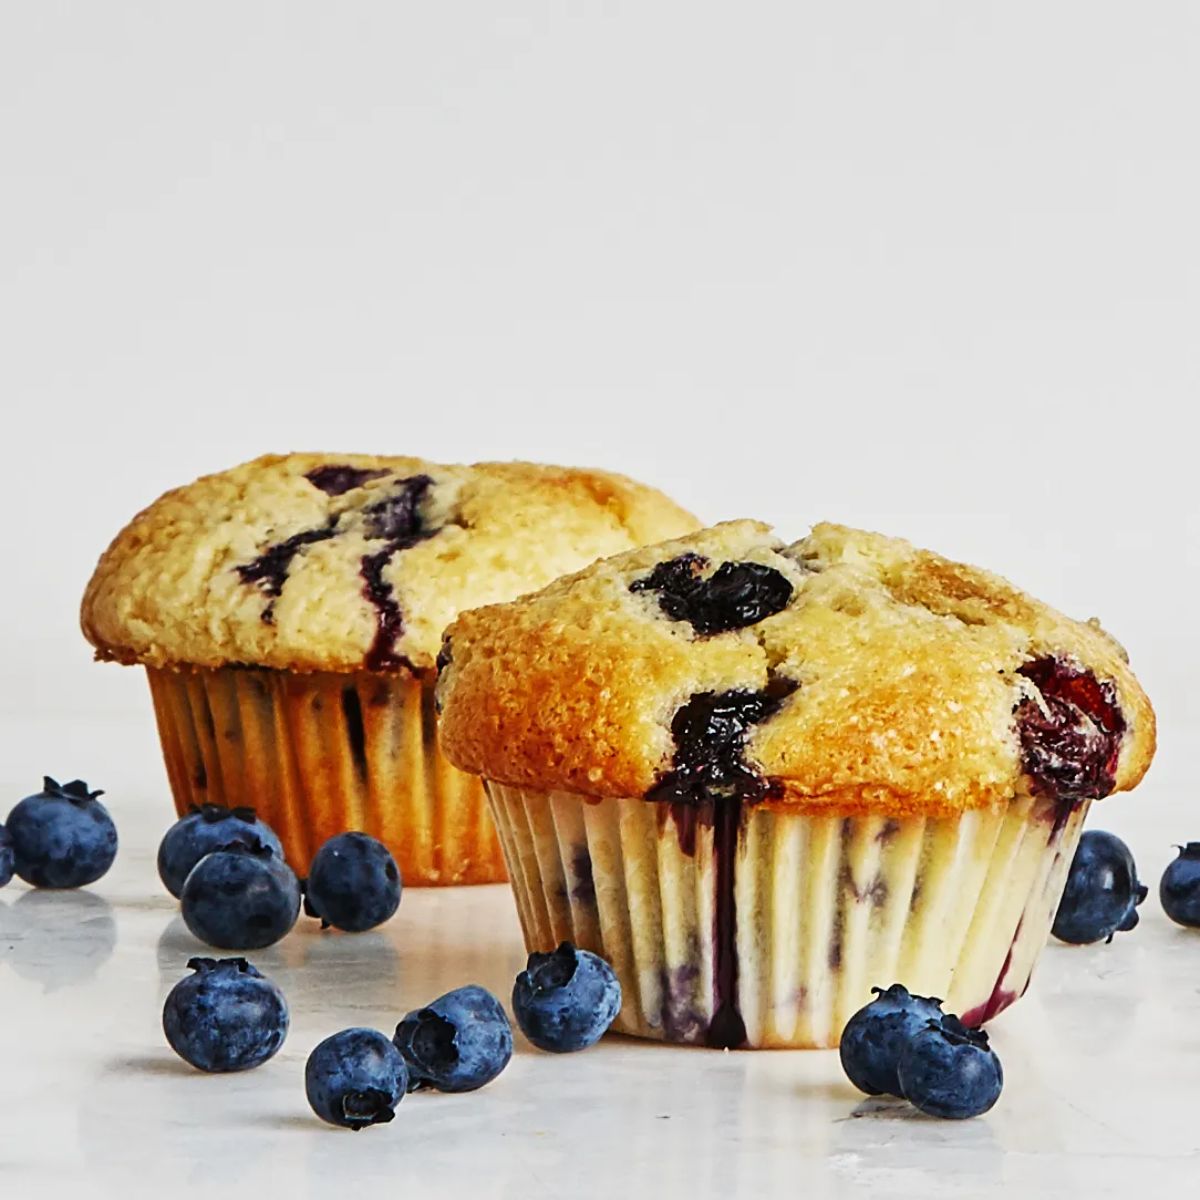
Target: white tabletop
[[1101, 1093]]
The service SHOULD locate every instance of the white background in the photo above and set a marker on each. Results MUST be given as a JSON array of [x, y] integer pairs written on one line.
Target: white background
[[926, 267]]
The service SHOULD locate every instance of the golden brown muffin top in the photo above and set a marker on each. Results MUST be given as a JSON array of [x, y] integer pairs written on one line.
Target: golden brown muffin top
[[339, 562], [848, 670]]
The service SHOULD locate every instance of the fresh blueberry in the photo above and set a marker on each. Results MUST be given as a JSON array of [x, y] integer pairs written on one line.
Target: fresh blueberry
[[353, 883], [6, 856], [240, 897], [948, 1070], [458, 1043], [566, 1000], [226, 1017], [62, 837], [207, 828], [1102, 892], [1179, 890], [877, 1034], [355, 1078]]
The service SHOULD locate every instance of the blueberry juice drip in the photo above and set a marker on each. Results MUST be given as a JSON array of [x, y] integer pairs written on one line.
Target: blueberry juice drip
[[389, 621], [727, 1029], [397, 519], [708, 785], [269, 571]]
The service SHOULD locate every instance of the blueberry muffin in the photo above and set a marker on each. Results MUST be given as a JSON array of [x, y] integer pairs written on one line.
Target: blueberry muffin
[[761, 778], [289, 614]]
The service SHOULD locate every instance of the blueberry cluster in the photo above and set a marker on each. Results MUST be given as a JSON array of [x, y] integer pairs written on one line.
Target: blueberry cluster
[[237, 892], [905, 1046], [227, 1016]]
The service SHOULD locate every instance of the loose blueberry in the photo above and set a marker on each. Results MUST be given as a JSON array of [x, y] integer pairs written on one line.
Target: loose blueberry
[[62, 837], [353, 883], [947, 1070], [566, 1000], [207, 828], [737, 594], [6, 856], [1102, 892], [458, 1043], [240, 898], [1179, 890], [226, 1017], [876, 1035], [355, 1078]]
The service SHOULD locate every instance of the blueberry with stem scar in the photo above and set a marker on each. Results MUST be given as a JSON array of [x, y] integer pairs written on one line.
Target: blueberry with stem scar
[[1102, 892], [355, 1078], [62, 836], [207, 828], [225, 1017], [459, 1042]]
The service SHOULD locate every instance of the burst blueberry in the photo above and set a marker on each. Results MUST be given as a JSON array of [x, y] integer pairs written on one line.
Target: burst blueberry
[[240, 897], [876, 1035], [947, 1070], [62, 836], [566, 1000], [6, 856], [207, 828], [225, 1017], [353, 883], [1102, 892], [1179, 889], [458, 1043], [355, 1078]]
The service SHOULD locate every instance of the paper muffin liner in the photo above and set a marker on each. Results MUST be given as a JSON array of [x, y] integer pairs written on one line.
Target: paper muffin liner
[[318, 754], [769, 928]]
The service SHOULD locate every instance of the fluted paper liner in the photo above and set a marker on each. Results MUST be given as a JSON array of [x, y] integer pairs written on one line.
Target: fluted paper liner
[[319, 754], [823, 908]]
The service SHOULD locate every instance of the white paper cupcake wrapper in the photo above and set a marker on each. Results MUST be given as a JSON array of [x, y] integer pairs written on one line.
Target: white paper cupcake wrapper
[[818, 911]]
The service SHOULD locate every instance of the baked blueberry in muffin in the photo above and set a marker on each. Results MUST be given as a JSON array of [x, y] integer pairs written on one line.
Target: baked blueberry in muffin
[[757, 777]]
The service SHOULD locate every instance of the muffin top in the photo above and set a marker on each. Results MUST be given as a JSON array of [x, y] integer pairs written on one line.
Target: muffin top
[[348, 562], [848, 670]]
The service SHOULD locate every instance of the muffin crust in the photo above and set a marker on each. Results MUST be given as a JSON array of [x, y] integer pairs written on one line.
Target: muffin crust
[[898, 676], [318, 562]]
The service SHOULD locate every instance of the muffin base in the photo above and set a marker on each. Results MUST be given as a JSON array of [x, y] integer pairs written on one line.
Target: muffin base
[[760, 928], [318, 754]]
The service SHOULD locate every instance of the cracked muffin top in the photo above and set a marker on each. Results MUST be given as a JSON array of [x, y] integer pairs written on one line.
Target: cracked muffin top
[[848, 670], [349, 562]]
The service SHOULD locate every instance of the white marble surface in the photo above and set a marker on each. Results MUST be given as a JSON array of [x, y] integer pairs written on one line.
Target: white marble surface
[[1101, 1060]]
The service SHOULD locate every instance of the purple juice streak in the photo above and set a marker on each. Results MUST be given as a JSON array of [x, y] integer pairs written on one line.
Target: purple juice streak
[[1001, 996], [708, 785], [398, 519], [727, 1030], [269, 571]]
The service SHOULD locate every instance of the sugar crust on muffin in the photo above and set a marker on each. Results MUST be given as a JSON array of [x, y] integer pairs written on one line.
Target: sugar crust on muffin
[[348, 562], [892, 679]]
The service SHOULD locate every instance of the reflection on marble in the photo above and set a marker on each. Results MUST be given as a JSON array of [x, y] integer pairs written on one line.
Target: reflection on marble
[[57, 939], [82, 1039]]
